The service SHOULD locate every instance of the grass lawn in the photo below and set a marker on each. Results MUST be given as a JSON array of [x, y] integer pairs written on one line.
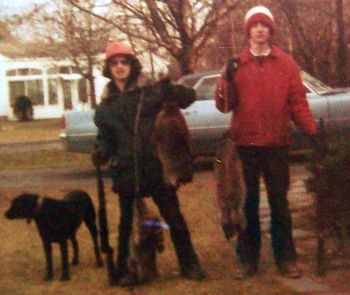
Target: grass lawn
[[43, 159], [33, 131], [37, 130], [23, 261], [22, 255]]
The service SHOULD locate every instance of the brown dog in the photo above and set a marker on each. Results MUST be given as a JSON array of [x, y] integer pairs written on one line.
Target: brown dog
[[172, 143]]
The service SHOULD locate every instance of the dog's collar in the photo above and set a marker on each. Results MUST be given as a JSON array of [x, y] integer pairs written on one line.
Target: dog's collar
[[39, 204], [37, 208]]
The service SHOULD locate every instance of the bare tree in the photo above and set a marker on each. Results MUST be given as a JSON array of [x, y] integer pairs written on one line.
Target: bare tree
[[181, 28], [80, 37], [309, 35], [341, 46]]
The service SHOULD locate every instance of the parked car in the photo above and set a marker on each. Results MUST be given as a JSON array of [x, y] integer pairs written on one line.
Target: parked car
[[207, 124]]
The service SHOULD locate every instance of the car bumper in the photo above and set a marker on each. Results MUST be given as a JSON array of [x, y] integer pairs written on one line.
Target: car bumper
[[81, 143]]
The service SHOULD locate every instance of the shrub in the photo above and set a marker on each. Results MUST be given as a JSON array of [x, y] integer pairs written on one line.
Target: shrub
[[23, 108], [329, 181]]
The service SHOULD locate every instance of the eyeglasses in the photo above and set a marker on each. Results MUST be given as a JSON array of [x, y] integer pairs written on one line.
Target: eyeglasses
[[123, 62]]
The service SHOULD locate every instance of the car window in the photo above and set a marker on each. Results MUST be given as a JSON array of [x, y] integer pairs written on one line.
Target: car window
[[307, 89], [315, 84], [187, 81], [206, 89]]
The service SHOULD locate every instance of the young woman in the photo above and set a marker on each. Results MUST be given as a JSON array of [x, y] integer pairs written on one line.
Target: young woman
[[124, 120]]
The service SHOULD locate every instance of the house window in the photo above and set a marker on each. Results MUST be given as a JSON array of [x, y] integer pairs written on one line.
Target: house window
[[68, 70], [11, 73], [67, 94], [31, 88], [64, 70], [52, 71], [82, 90], [24, 72], [53, 90], [35, 91], [17, 88]]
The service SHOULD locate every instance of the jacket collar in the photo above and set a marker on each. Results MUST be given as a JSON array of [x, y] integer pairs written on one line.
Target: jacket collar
[[246, 55], [141, 82]]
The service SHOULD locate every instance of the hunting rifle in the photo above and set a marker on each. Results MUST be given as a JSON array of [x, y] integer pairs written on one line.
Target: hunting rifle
[[102, 214]]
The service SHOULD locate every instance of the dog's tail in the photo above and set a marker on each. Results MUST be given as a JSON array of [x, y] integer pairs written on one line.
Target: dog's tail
[[90, 212]]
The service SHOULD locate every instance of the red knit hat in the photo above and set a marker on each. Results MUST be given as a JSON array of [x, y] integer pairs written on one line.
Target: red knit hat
[[118, 47], [259, 14]]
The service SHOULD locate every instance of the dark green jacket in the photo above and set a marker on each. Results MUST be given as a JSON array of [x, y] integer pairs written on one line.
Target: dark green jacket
[[118, 132]]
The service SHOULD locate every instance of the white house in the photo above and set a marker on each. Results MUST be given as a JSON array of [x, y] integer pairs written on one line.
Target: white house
[[53, 86]]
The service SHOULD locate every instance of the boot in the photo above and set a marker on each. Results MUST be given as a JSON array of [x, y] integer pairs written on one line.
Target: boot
[[245, 271], [194, 272], [290, 270]]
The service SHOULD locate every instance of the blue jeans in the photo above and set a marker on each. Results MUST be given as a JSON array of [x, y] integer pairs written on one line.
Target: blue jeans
[[273, 165]]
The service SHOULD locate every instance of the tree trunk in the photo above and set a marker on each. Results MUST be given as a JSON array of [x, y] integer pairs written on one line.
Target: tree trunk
[[341, 46], [92, 92]]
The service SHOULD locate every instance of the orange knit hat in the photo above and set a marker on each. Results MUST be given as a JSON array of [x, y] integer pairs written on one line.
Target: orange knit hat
[[118, 47]]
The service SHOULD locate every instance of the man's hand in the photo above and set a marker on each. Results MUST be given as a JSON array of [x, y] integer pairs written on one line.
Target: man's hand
[[97, 160], [230, 68], [319, 145]]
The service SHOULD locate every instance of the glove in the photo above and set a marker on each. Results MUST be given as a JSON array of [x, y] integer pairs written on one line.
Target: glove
[[319, 145], [166, 90], [228, 229], [97, 159], [230, 68]]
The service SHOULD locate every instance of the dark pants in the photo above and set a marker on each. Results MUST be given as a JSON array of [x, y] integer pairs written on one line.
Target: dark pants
[[273, 165], [167, 201]]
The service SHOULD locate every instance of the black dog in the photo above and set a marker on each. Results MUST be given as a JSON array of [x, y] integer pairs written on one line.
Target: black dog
[[58, 221]]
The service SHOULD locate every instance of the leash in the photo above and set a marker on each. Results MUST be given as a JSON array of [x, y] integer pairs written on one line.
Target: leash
[[103, 224]]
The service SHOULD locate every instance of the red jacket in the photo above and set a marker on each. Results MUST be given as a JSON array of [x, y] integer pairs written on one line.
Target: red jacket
[[265, 98]]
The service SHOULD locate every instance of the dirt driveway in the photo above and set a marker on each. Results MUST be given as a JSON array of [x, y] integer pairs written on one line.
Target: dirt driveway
[[23, 262]]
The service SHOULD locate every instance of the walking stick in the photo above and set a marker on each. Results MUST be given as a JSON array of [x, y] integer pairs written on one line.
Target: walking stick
[[102, 214]]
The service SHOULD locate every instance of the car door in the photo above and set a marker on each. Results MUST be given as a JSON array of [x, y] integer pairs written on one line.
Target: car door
[[320, 110], [206, 123], [339, 104]]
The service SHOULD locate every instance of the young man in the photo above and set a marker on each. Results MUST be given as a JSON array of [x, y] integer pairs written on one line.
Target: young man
[[124, 120], [264, 90]]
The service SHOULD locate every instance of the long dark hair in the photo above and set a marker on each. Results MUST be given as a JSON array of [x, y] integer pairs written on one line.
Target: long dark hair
[[135, 69]]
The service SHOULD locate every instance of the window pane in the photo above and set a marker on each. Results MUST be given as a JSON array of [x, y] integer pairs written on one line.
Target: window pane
[[75, 70], [82, 90], [11, 73], [23, 72], [64, 70], [52, 71], [34, 89], [206, 89], [67, 94], [307, 90], [35, 71], [16, 89], [53, 89]]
